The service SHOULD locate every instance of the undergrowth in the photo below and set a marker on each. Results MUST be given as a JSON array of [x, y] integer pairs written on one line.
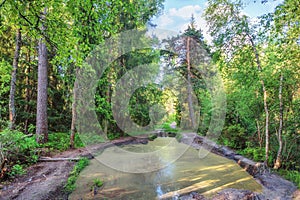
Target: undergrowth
[[61, 141], [80, 165], [291, 175]]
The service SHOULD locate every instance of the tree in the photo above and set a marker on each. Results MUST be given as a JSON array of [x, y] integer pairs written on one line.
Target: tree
[[94, 24], [12, 108], [232, 32], [42, 95], [190, 57], [286, 47]]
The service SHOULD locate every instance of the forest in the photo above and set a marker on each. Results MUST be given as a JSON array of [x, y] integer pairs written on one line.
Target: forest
[[246, 81]]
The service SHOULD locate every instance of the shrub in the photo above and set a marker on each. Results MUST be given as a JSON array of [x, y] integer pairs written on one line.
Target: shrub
[[234, 136], [98, 183], [291, 175], [19, 149], [254, 153], [168, 129], [61, 141], [80, 165], [16, 170]]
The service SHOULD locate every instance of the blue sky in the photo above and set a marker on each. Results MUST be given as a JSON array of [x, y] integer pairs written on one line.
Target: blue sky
[[177, 13]]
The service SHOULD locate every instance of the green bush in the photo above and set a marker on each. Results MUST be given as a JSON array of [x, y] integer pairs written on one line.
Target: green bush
[[167, 128], [152, 137], [234, 136], [291, 175], [98, 183], [16, 146], [16, 170], [18, 149], [257, 154], [80, 165], [178, 136], [112, 136], [61, 141]]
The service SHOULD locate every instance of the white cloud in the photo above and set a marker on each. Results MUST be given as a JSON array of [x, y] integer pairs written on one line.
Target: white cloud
[[165, 20], [185, 12], [178, 19]]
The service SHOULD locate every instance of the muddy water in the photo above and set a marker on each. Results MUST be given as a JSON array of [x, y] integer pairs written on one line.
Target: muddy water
[[162, 169]]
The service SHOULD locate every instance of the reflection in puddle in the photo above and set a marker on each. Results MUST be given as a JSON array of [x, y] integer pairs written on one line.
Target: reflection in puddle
[[154, 175], [159, 191]]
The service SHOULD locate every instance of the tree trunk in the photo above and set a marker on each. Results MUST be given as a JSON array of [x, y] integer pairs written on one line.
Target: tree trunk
[[74, 113], [27, 92], [259, 133], [105, 121], [258, 63], [277, 164], [189, 88], [42, 95], [12, 108]]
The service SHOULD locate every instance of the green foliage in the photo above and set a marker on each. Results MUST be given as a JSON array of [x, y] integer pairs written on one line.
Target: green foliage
[[80, 165], [61, 141], [152, 137], [5, 69], [168, 129], [16, 170], [82, 140], [254, 153], [97, 182], [16, 146], [112, 136], [178, 136], [292, 175], [234, 136], [19, 150], [140, 103]]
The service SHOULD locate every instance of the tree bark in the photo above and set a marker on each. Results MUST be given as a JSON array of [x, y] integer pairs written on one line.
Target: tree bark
[[189, 88], [42, 94], [12, 108], [259, 133], [27, 92], [74, 113], [277, 164], [258, 63]]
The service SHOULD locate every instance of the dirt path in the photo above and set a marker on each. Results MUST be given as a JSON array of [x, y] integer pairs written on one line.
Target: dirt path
[[46, 180]]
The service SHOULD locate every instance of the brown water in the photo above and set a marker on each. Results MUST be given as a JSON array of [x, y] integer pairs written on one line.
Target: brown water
[[150, 172]]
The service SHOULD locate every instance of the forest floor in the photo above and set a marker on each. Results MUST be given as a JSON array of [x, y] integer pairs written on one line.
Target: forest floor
[[46, 180]]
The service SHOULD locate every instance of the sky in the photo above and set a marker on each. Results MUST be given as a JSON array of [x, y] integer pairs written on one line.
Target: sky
[[177, 14]]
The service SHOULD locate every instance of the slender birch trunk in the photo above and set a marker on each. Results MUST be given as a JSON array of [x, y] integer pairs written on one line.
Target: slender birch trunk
[[258, 63], [277, 164]]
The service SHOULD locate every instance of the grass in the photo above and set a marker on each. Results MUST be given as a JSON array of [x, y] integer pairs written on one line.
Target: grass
[[80, 165]]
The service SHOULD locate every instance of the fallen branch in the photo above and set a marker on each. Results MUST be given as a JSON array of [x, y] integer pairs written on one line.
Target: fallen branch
[[47, 159]]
